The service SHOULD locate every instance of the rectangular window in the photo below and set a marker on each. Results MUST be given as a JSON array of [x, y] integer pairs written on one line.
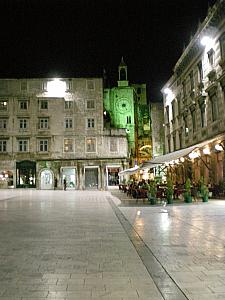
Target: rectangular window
[[200, 71], [43, 123], [90, 104], [68, 104], [23, 105], [23, 86], [167, 114], [211, 56], [180, 140], [184, 89], [69, 85], [214, 107], [90, 85], [193, 117], [202, 112], [23, 123], [3, 105], [128, 119], [113, 145], [43, 145], [3, 146], [68, 123], [222, 46], [3, 124], [90, 123], [68, 145], [23, 145], [173, 110], [191, 77], [174, 143], [186, 126], [168, 143], [90, 145], [43, 104]]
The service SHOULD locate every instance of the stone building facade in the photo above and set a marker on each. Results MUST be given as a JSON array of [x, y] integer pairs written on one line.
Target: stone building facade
[[194, 101], [53, 129]]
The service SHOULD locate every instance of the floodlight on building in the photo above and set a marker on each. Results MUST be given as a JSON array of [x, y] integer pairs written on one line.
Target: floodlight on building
[[206, 41], [167, 91], [176, 161], [56, 88], [218, 147], [206, 151]]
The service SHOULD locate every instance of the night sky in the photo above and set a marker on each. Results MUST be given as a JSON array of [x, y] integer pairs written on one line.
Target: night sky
[[78, 38]]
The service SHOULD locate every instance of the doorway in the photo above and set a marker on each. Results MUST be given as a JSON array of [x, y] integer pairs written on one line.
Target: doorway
[[91, 178], [46, 180], [26, 174]]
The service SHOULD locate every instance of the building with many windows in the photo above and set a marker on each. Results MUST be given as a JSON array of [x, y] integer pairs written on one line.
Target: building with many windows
[[51, 130], [194, 104]]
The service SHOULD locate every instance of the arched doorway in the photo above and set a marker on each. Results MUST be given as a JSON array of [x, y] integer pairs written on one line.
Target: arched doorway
[[46, 180]]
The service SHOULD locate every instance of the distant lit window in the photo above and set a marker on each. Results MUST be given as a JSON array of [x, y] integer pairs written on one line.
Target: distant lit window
[[90, 145], [68, 123], [43, 145], [68, 145], [3, 145], [3, 105], [90, 104]]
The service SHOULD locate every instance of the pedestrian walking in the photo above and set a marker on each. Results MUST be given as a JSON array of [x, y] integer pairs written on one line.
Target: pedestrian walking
[[64, 184]]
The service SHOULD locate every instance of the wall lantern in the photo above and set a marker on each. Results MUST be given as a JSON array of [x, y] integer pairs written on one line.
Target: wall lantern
[[206, 151], [218, 147], [182, 159]]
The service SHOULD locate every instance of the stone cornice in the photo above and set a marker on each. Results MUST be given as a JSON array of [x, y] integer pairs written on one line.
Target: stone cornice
[[215, 17]]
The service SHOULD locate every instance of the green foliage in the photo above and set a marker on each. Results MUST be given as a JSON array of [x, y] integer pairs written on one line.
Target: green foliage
[[203, 188], [187, 187], [152, 188], [169, 190]]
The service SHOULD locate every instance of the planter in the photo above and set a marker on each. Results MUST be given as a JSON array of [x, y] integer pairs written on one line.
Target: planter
[[152, 200], [169, 199], [205, 198], [187, 198]]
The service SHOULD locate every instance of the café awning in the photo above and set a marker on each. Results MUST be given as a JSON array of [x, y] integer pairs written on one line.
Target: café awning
[[163, 159], [130, 171]]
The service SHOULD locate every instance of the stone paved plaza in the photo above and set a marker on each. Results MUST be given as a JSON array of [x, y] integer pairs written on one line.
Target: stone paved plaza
[[88, 245]]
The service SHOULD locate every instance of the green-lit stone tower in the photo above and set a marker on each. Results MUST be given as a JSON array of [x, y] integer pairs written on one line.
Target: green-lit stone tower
[[126, 107]]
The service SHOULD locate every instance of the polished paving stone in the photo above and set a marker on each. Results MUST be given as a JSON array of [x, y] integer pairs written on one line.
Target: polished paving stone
[[86, 245]]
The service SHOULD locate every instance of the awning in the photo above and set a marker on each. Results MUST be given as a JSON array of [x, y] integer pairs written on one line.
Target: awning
[[160, 160], [130, 171]]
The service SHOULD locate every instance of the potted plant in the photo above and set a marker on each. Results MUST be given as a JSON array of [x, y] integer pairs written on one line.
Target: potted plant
[[204, 191], [169, 191], [187, 193], [152, 189]]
